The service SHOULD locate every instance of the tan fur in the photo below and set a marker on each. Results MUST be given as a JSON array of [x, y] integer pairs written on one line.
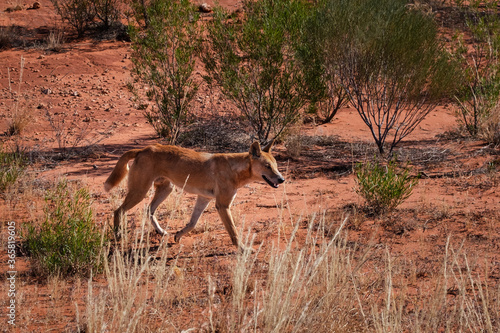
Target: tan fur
[[210, 176]]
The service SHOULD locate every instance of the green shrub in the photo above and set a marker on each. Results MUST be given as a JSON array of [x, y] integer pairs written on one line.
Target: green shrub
[[253, 62], [12, 166], [67, 242], [388, 58], [164, 58], [321, 66], [383, 187]]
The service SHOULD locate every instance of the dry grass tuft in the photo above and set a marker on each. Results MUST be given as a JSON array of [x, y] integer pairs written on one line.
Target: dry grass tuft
[[21, 113], [491, 130], [55, 41]]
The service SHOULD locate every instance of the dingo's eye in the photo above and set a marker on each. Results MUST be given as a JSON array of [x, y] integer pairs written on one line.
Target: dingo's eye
[[269, 167]]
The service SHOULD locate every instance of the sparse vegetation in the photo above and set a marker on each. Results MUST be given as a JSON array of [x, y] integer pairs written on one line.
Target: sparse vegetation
[[318, 283], [384, 187], [67, 242], [70, 136], [83, 15]]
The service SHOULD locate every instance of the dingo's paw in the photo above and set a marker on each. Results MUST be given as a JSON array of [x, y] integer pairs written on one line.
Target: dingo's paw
[[177, 237]]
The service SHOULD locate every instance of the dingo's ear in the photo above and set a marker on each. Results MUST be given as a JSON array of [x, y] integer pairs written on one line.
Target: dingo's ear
[[255, 149], [267, 148]]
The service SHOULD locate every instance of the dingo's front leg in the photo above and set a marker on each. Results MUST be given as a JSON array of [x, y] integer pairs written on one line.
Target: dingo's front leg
[[199, 208], [227, 220]]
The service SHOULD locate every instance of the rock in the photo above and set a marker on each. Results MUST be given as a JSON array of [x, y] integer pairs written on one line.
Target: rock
[[36, 5], [205, 8]]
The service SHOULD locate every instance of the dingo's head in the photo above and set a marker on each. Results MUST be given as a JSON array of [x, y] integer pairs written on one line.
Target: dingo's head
[[264, 165]]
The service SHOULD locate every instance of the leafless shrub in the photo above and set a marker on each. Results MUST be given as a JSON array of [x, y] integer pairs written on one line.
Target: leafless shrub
[[77, 13]]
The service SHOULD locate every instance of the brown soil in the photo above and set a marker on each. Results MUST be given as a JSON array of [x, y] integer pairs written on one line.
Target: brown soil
[[85, 83]]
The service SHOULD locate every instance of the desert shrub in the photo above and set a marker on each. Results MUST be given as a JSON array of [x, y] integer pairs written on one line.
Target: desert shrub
[[67, 242], [389, 60], [479, 90], [12, 166], [7, 37], [253, 62], [383, 187], [164, 57], [77, 13], [321, 67], [107, 11]]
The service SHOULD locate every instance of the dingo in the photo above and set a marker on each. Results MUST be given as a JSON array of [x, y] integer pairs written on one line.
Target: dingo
[[207, 175]]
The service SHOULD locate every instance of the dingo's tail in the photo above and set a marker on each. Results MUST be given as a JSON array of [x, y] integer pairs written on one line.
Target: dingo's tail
[[120, 170]]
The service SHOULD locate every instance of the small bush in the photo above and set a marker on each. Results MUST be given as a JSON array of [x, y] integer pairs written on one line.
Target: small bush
[[383, 187], [77, 13], [67, 242], [12, 166], [253, 63], [391, 63], [165, 62]]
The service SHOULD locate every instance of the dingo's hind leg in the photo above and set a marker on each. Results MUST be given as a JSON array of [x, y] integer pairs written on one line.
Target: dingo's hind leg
[[199, 208], [162, 190], [137, 190], [132, 199]]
